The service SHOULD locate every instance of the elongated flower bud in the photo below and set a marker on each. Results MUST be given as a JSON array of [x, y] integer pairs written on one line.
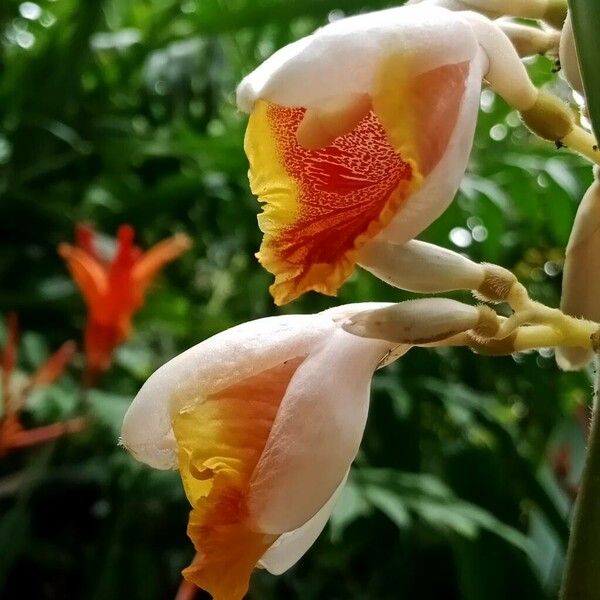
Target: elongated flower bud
[[568, 57], [421, 267], [422, 321], [551, 11], [581, 275], [527, 40]]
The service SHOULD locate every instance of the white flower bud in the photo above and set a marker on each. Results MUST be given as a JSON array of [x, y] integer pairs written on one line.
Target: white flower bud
[[421, 267], [581, 275], [551, 11], [422, 321], [568, 57], [527, 40]]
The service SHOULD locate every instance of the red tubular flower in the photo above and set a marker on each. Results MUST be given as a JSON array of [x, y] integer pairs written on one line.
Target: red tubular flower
[[12, 433], [54, 367], [114, 290], [9, 356]]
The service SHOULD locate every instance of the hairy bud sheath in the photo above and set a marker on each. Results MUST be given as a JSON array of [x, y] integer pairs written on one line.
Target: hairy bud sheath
[[500, 285], [581, 274], [549, 118], [422, 321]]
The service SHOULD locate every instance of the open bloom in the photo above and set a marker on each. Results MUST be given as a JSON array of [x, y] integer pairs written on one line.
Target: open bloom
[[114, 289], [263, 422], [362, 131]]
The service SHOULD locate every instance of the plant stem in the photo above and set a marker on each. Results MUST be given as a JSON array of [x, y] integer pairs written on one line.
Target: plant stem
[[583, 142], [582, 572]]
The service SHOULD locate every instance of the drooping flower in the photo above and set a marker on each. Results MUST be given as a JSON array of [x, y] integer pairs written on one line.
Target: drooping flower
[[362, 131], [114, 289], [263, 422], [15, 390]]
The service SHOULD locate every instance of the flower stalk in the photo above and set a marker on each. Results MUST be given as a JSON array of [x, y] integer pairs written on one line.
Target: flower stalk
[[582, 575], [552, 120]]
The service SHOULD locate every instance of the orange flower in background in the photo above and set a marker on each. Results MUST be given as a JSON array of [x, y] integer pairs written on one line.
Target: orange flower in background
[[14, 394], [114, 289]]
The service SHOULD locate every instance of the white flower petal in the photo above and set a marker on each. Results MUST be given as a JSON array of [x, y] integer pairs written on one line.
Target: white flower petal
[[437, 192], [208, 367], [215, 364], [343, 57], [316, 433], [291, 547]]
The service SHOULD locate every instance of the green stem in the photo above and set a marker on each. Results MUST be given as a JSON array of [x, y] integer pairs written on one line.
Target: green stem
[[582, 573]]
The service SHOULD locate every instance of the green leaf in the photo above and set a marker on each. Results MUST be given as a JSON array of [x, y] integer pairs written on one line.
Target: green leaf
[[109, 409], [586, 25], [390, 504], [398, 494], [351, 506]]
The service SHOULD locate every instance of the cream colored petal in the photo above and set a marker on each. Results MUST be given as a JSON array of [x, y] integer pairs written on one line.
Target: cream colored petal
[[291, 547], [342, 58], [438, 190], [581, 275], [316, 433], [208, 367]]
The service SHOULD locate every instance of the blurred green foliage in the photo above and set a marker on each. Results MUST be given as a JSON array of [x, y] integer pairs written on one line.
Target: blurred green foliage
[[118, 111]]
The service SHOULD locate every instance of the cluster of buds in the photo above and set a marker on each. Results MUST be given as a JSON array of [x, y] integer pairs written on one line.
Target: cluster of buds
[[358, 138]]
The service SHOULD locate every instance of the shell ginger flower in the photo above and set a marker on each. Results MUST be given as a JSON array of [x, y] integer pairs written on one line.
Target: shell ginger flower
[[362, 131], [263, 421], [114, 289]]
